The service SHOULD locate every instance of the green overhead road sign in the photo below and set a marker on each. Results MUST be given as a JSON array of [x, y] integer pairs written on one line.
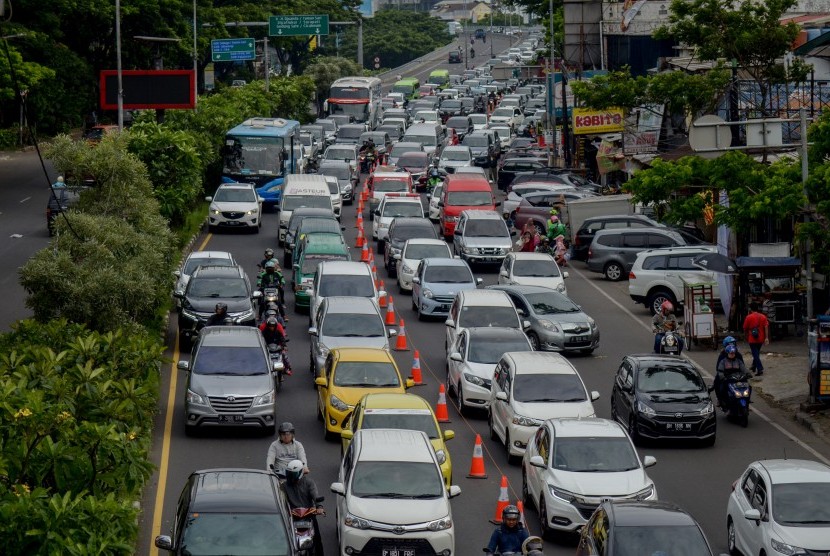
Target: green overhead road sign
[[298, 25], [232, 50]]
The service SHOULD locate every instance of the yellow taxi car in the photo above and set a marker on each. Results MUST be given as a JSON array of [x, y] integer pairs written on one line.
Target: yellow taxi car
[[348, 375], [400, 411]]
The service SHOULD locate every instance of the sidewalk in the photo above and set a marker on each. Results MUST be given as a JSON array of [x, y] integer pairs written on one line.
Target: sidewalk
[[784, 382]]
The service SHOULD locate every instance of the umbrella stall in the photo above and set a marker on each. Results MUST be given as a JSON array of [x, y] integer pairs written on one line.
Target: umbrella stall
[[772, 282], [698, 314]]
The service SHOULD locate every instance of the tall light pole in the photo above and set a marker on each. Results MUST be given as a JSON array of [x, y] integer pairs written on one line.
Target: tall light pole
[[118, 65]]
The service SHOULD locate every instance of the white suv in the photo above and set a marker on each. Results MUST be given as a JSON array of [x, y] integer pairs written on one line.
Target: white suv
[[655, 276], [391, 497], [391, 206], [235, 205]]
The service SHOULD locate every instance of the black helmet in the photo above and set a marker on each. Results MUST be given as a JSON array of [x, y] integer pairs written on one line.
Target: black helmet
[[510, 512], [221, 308], [286, 427], [271, 322]]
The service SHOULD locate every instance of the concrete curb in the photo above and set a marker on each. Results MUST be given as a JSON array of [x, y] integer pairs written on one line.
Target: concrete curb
[[808, 422]]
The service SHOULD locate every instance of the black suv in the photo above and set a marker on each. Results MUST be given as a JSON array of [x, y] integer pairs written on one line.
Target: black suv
[[231, 511], [208, 286], [483, 148], [454, 57], [401, 229]]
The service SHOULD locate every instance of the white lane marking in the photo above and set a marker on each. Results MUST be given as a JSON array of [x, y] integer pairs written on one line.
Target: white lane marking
[[24, 200], [704, 372]]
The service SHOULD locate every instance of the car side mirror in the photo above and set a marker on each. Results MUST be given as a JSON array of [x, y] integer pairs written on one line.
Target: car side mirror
[[257, 294], [525, 324], [594, 395], [565, 274], [177, 273], [501, 396], [338, 488], [320, 381], [346, 434], [497, 204], [416, 280], [440, 204], [537, 461], [382, 293], [504, 274], [450, 323], [479, 281], [410, 383], [521, 312], [455, 356], [753, 514], [513, 233], [183, 365], [448, 435], [164, 542], [376, 212], [649, 461], [397, 256], [209, 199], [312, 331], [391, 332], [429, 195], [454, 491]]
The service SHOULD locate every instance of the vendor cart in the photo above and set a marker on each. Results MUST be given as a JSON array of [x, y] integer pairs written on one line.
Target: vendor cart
[[818, 343], [698, 310]]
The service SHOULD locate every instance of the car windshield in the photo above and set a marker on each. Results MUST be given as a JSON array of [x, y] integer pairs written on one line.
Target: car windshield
[[503, 112], [414, 159], [392, 210], [447, 275], [194, 262], [551, 303], [334, 187], [548, 387], [669, 380], [363, 374], [486, 350], [402, 233], [358, 285], [400, 150], [317, 224], [339, 154], [536, 268], [217, 287], [470, 198], [229, 360], [349, 132], [475, 141], [397, 479], [215, 534], [353, 325], [479, 118], [408, 419], [425, 140], [594, 455], [293, 202], [462, 155], [485, 315], [801, 504], [681, 540], [485, 228], [234, 195], [387, 185], [310, 262], [339, 172], [420, 251], [452, 105]]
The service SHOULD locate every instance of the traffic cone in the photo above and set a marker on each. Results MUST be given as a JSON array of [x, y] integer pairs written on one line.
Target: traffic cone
[[359, 223], [477, 465], [390, 312], [382, 300], [503, 501], [360, 206], [375, 276], [521, 507], [441, 413], [364, 254], [417, 378], [401, 344], [361, 239]]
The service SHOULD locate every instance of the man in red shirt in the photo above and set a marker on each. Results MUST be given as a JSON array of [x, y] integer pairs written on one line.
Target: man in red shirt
[[756, 332]]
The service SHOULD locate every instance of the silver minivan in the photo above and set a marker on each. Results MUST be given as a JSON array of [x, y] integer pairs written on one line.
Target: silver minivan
[[430, 136], [613, 252], [481, 236]]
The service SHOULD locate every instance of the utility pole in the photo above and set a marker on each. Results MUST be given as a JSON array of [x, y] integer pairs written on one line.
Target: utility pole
[[118, 65], [195, 61], [808, 264]]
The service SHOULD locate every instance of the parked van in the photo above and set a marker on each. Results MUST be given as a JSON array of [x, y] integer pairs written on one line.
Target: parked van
[[408, 87], [302, 190], [431, 136], [463, 192]]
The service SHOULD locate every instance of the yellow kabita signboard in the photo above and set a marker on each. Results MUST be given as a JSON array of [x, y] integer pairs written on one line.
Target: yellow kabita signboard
[[587, 122]]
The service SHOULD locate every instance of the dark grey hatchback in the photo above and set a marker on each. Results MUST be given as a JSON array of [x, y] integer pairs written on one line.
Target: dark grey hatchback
[[231, 511]]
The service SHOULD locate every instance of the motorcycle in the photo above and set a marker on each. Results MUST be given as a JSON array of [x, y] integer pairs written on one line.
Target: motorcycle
[[738, 397], [532, 546], [672, 343], [304, 529], [367, 162], [275, 351]]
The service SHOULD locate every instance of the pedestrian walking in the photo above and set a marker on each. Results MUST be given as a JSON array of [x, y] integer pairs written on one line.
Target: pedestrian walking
[[756, 332]]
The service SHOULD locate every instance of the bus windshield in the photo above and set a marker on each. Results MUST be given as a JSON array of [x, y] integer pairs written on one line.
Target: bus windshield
[[353, 93], [252, 155], [359, 111]]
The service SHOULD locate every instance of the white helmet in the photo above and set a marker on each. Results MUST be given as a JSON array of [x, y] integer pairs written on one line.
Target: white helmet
[[294, 470]]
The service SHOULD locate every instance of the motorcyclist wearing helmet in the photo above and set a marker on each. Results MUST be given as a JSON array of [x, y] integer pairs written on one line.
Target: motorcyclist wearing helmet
[[302, 493], [663, 321], [274, 333], [269, 255], [729, 340], [509, 536], [434, 179], [368, 154], [219, 315], [272, 277], [284, 450], [555, 226], [545, 246], [727, 366]]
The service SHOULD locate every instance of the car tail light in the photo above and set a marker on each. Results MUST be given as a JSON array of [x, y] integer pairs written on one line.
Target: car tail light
[[590, 253], [517, 210], [631, 276]]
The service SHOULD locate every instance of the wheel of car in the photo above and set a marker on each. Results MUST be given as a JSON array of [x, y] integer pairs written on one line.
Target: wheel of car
[[632, 429], [730, 538], [270, 430], [511, 459], [400, 288], [613, 271], [493, 435], [286, 260], [547, 532], [329, 436], [613, 408], [189, 430], [587, 351], [320, 414], [184, 344], [459, 392], [525, 492], [657, 298], [534, 341]]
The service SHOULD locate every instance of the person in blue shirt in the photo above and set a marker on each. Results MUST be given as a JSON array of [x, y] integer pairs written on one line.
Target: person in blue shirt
[[510, 535]]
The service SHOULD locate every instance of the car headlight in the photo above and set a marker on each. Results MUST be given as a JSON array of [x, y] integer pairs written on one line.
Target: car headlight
[[347, 187], [356, 522], [245, 315], [427, 293], [407, 270], [178, 293], [441, 456], [473, 379], [337, 403], [194, 398], [190, 314], [548, 325], [252, 211], [592, 323], [526, 421], [440, 524], [562, 494], [710, 407], [560, 287], [266, 399], [787, 549], [645, 494], [214, 210], [324, 351], [645, 409]]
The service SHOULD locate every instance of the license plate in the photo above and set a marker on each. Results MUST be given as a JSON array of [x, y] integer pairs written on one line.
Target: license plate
[[580, 338], [679, 426], [236, 419], [233, 222], [444, 308], [397, 552], [304, 524]]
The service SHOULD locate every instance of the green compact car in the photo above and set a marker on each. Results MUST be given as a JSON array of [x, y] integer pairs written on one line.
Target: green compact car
[[315, 248]]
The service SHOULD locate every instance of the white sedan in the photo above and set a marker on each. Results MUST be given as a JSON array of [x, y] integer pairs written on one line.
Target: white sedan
[[411, 254], [532, 269]]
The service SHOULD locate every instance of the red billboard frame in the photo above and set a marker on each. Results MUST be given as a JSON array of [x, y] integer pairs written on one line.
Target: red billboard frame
[[165, 79]]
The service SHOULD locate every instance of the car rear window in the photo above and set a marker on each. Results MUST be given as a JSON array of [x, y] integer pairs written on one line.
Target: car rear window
[[359, 285], [230, 361], [609, 240]]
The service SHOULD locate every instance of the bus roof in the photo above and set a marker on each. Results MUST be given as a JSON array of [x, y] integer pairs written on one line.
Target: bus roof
[[439, 72], [408, 81], [356, 81], [265, 127]]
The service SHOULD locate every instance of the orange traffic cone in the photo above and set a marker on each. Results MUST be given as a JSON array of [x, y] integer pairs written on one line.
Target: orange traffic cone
[[364, 254], [375, 276], [360, 206], [401, 344], [359, 223], [361, 239], [441, 413], [477, 466], [503, 501], [390, 312], [382, 300], [417, 378], [521, 507]]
